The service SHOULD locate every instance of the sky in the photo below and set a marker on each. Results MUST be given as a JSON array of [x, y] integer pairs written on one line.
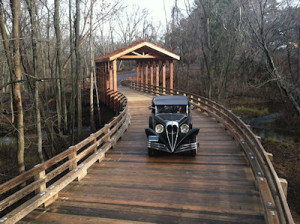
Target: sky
[[156, 8]]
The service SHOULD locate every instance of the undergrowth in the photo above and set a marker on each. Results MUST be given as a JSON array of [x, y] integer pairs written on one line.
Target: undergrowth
[[248, 112]]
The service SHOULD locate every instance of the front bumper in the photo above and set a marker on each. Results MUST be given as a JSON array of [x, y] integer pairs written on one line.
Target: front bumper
[[183, 148]]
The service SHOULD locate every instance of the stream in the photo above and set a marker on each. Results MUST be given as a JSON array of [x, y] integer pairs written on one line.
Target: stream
[[262, 126]]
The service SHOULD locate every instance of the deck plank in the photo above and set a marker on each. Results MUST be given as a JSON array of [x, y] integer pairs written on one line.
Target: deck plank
[[129, 187]]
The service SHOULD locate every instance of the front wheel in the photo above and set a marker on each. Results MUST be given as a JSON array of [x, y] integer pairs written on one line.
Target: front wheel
[[151, 152], [194, 151]]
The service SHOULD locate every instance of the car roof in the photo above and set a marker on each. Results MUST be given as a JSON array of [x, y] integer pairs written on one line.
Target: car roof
[[170, 100]]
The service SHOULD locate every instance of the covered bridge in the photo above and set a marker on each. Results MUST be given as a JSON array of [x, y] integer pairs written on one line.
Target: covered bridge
[[150, 59]]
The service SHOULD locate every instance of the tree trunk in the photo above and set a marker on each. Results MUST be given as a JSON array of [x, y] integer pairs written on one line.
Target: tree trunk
[[15, 8], [8, 58], [73, 96], [60, 80], [32, 13], [280, 82], [98, 101], [298, 79], [78, 73], [92, 69]]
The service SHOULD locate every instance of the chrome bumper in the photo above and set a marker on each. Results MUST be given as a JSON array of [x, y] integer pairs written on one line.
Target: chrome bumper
[[164, 148]]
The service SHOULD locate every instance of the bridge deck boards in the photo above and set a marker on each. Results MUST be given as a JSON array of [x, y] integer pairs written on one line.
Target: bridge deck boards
[[129, 187]]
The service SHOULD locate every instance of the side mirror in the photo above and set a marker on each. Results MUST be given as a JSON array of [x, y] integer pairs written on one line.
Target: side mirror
[[151, 108], [192, 107]]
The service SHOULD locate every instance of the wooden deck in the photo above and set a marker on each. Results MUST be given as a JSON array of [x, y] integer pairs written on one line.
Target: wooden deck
[[129, 187]]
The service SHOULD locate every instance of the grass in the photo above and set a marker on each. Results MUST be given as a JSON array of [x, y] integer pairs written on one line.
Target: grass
[[247, 112]]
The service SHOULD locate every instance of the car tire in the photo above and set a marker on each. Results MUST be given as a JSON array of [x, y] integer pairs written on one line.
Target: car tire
[[150, 123], [193, 152], [151, 152]]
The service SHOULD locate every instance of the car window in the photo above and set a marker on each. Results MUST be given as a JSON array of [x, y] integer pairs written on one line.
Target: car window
[[182, 109]]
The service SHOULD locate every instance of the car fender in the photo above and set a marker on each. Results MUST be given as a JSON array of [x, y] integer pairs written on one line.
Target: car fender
[[189, 135], [150, 131]]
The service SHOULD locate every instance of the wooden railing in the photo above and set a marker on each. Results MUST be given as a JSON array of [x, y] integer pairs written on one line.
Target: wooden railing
[[41, 184], [276, 209]]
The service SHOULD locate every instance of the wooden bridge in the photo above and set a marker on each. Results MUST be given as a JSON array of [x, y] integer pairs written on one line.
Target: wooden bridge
[[109, 178]]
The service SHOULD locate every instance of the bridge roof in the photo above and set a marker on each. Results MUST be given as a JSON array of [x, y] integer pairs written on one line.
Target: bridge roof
[[139, 51]]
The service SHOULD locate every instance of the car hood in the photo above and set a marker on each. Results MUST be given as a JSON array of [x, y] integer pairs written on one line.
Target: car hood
[[170, 117]]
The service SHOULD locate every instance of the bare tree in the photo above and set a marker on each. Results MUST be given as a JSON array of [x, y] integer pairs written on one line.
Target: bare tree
[[61, 100], [15, 8], [31, 6], [92, 68], [78, 73], [8, 56], [261, 21]]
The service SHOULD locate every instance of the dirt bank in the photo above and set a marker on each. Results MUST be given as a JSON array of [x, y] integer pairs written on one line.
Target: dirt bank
[[286, 161]]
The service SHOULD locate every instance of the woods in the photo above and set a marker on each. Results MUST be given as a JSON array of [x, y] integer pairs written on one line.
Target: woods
[[45, 71], [49, 95], [243, 54], [239, 43]]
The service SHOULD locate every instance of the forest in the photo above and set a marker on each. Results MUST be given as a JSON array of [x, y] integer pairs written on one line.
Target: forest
[[244, 54]]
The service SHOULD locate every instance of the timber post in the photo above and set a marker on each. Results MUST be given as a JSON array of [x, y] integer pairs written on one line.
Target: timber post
[[164, 76], [157, 75]]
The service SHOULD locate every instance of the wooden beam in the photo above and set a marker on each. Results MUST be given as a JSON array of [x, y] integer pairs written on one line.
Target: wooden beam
[[110, 75], [137, 72], [164, 76], [146, 72], [142, 73], [136, 53], [157, 74], [151, 75], [171, 77], [115, 75], [115, 83], [137, 57], [140, 45], [111, 85]]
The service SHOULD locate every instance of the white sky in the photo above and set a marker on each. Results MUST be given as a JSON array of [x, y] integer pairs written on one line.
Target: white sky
[[156, 8]]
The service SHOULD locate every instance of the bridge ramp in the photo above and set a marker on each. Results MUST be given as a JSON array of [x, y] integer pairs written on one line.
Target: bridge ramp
[[129, 187]]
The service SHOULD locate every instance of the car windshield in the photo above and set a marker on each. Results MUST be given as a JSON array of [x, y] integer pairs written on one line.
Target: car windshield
[[180, 109]]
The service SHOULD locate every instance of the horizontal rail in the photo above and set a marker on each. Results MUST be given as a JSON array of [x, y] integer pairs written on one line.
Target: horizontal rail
[[41, 184], [276, 209]]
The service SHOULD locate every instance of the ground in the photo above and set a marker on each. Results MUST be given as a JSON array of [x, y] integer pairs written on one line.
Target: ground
[[286, 160]]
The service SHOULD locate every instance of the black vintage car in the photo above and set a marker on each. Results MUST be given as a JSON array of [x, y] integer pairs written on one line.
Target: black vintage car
[[170, 126]]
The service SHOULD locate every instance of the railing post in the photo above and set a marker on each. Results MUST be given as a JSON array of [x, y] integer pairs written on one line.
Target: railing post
[[42, 188], [72, 157], [94, 142], [106, 132], [40, 177]]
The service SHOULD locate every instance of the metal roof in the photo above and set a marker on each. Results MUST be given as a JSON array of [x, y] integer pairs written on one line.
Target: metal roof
[[170, 100]]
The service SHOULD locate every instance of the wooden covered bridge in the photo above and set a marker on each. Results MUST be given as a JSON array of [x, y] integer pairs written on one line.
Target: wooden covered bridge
[[109, 178]]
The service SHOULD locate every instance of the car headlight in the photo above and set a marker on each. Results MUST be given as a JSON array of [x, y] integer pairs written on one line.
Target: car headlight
[[184, 128], [159, 128]]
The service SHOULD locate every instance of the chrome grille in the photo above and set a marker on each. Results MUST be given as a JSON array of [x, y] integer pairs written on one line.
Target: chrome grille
[[172, 128]]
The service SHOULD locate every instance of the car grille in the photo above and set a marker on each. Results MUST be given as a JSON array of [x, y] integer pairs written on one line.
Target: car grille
[[172, 128]]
